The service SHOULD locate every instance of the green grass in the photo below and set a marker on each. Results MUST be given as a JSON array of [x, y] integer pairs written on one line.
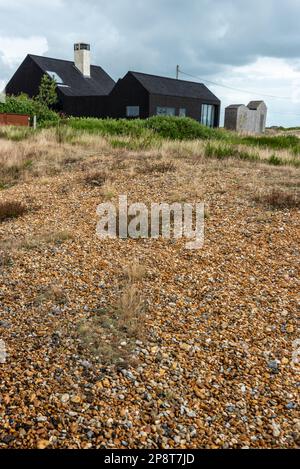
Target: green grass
[[280, 142], [173, 128], [15, 133], [176, 128], [224, 151]]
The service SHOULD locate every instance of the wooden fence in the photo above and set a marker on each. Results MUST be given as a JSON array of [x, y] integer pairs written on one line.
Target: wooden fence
[[15, 119]]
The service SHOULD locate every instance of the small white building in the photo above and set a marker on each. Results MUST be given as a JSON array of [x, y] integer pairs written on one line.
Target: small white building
[[247, 119]]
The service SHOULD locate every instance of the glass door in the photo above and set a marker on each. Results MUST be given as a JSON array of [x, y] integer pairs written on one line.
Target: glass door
[[207, 115]]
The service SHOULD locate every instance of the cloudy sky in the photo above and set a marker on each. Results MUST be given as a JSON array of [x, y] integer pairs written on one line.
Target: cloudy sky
[[251, 46]]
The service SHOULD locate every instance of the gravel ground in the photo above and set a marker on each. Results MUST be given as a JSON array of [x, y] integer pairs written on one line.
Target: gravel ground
[[213, 366]]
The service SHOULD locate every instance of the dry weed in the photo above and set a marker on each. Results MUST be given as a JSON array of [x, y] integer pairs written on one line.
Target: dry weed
[[279, 199], [11, 209], [112, 333]]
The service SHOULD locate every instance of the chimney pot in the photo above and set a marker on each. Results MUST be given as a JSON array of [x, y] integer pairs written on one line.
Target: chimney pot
[[82, 58]]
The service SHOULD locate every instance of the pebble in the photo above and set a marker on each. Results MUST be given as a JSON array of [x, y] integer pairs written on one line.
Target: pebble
[[65, 398]]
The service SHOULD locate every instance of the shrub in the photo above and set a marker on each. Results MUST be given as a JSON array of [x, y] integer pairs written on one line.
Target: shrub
[[47, 91], [11, 209], [96, 178], [279, 199], [173, 128], [182, 128], [22, 104]]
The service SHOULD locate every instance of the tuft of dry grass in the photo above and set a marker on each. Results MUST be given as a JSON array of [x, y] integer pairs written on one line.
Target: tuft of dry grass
[[51, 293], [56, 237], [163, 167], [96, 178], [134, 271], [279, 199], [11, 209], [5, 259], [108, 191], [111, 334]]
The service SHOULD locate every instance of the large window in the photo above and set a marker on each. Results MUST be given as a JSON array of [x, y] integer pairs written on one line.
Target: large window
[[165, 111], [208, 115], [58, 80], [133, 111]]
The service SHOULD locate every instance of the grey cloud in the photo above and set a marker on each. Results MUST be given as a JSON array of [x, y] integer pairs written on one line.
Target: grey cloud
[[202, 35], [206, 37]]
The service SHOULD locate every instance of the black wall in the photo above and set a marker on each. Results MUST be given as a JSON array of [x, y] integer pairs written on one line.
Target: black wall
[[27, 79], [192, 106], [128, 92], [85, 106]]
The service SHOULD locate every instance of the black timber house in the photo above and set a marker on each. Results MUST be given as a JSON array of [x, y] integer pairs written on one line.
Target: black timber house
[[86, 90], [142, 95], [82, 88]]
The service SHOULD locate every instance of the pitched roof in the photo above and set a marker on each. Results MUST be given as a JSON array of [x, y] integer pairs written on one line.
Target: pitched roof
[[100, 83], [253, 105], [171, 87], [235, 106]]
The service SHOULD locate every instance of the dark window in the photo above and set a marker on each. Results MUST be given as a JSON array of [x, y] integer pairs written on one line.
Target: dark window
[[133, 111], [165, 111]]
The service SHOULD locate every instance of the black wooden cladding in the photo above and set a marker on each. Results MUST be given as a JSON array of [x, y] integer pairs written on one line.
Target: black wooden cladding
[[150, 92], [99, 96]]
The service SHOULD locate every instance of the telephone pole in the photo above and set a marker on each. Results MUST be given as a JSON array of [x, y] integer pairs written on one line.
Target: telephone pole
[[177, 72]]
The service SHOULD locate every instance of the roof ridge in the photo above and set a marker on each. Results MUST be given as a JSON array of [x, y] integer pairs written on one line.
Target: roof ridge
[[166, 78], [58, 60]]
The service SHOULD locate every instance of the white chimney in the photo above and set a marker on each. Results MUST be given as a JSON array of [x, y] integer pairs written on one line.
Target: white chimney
[[82, 58]]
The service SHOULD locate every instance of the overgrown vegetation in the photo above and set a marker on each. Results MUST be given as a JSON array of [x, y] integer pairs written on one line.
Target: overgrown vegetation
[[174, 128], [16, 134], [33, 107], [47, 91], [96, 178], [11, 209], [279, 199]]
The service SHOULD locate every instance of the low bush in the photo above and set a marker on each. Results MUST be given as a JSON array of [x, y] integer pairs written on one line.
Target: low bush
[[182, 128], [22, 104], [279, 199], [173, 128], [96, 178], [11, 209]]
